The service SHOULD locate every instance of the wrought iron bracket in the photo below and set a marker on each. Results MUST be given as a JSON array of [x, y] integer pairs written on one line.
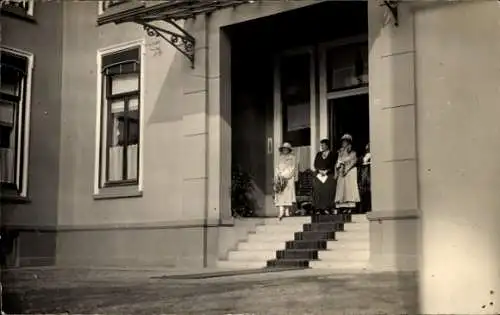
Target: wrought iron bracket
[[181, 40], [392, 6]]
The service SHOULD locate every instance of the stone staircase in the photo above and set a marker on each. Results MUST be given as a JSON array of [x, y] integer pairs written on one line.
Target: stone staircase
[[322, 241], [262, 245], [350, 250]]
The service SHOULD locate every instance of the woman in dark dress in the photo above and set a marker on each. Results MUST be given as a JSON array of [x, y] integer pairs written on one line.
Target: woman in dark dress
[[324, 181], [365, 182]]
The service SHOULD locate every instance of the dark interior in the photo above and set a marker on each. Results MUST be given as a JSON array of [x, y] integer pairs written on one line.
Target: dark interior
[[350, 115]]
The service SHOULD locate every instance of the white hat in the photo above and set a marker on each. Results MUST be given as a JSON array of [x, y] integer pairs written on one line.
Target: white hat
[[285, 145], [347, 137]]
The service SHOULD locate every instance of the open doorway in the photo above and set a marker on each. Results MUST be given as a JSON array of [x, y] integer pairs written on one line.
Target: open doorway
[[278, 89], [350, 114]]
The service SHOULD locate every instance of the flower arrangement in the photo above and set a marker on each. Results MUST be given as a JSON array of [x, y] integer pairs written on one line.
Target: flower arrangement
[[279, 184], [242, 202]]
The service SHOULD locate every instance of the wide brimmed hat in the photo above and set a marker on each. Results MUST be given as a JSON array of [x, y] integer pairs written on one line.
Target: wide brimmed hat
[[346, 137], [285, 145]]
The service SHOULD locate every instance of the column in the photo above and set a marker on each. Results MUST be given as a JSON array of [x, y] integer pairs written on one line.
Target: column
[[194, 128], [458, 91], [394, 219], [219, 124]]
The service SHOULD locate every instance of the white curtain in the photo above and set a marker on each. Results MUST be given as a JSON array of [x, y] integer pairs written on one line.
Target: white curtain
[[116, 162], [298, 117], [303, 155], [7, 165]]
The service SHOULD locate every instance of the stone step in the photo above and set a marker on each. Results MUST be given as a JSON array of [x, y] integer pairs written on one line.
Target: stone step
[[307, 254], [321, 244], [251, 255], [290, 228], [270, 237], [324, 226], [314, 236], [261, 245], [276, 263], [330, 218], [350, 244], [343, 265], [352, 236], [360, 221], [344, 254], [356, 227], [287, 221], [228, 264]]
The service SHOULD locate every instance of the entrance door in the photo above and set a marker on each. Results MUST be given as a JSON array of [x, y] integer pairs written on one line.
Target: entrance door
[[350, 115]]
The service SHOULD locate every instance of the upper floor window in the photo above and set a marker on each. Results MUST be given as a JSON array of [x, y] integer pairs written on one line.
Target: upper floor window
[[104, 5], [120, 118], [14, 112], [347, 67], [19, 7]]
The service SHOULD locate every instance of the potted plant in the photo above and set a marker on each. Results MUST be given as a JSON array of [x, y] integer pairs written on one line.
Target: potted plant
[[242, 203]]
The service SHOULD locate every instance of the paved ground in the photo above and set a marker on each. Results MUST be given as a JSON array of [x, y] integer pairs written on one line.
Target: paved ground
[[136, 292]]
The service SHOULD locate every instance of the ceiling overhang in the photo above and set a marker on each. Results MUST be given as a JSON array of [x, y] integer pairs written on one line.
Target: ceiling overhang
[[169, 12]]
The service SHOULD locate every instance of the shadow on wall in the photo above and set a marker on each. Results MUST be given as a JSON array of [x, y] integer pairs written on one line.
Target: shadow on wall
[[168, 105]]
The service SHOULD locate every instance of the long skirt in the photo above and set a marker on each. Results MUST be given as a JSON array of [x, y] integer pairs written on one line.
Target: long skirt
[[365, 188], [324, 193], [347, 194], [287, 196]]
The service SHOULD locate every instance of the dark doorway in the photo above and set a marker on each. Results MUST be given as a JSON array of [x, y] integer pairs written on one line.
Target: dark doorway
[[350, 115]]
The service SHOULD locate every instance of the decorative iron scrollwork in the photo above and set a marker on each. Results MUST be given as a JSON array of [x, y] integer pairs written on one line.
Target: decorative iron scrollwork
[[392, 6], [183, 42]]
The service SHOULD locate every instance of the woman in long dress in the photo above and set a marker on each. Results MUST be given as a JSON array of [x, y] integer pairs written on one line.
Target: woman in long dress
[[365, 182], [347, 193], [285, 178], [324, 181]]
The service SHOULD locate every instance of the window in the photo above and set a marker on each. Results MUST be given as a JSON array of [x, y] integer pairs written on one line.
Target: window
[[14, 113], [120, 118], [295, 74], [347, 67], [104, 5], [19, 7]]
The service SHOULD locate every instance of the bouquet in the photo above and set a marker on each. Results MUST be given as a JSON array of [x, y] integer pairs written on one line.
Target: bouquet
[[279, 184]]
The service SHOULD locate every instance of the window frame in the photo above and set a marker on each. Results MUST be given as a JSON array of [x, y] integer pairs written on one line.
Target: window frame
[[20, 189], [101, 9], [104, 189], [17, 11]]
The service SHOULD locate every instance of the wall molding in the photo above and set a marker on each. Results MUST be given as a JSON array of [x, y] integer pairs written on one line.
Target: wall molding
[[384, 215], [187, 224]]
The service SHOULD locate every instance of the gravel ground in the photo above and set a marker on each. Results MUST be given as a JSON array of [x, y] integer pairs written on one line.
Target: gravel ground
[[134, 292]]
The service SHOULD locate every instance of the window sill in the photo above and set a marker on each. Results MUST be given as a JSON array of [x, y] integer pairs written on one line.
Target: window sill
[[8, 198], [118, 193], [18, 13]]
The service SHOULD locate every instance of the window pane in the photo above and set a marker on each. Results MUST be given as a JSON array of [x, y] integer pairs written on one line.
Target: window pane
[[7, 142], [123, 139], [295, 76], [132, 161], [115, 163], [7, 165], [124, 83], [10, 81], [7, 113], [115, 151], [347, 66], [117, 121]]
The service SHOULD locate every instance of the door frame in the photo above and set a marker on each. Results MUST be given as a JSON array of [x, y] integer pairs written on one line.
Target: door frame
[[278, 109], [324, 96]]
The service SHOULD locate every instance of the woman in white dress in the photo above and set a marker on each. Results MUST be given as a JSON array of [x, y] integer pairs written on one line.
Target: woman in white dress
[[347, 192], [284, 183]]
